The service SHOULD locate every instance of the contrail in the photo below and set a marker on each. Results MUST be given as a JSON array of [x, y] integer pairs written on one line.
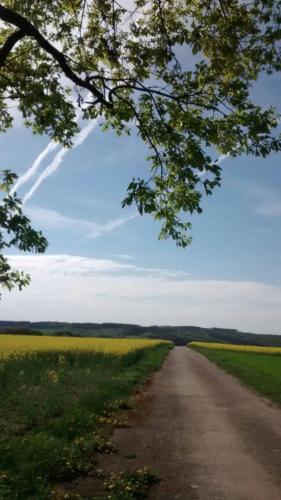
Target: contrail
[[34, 167], [52, 219], [220, 159], [99, 230], [223, 157], [48, 149], [54, 165], [119, 222]]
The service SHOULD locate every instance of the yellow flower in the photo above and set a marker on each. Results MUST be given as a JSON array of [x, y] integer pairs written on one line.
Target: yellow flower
[[24, 345], [236, 348], [52, 376]]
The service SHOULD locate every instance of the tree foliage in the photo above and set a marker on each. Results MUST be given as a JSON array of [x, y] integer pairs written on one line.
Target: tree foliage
[[15, 232], [179, 71]]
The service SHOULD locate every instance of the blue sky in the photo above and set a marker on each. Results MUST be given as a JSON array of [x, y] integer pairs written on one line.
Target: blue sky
[[106, 264]]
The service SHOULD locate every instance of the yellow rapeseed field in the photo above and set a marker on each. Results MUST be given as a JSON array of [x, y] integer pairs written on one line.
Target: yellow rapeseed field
[[19, 345], [236, 348]]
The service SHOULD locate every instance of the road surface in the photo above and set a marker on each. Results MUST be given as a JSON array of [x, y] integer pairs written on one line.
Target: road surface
[[208, 436]]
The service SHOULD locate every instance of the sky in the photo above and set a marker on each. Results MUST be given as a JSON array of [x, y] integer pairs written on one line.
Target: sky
[[105, 263]]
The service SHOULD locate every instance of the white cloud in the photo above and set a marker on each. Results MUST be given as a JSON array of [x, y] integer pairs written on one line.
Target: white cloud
[[269, 208], [123, 256], [261, 230], [267, 200], [51, 219], [65, 265], [73, 288]]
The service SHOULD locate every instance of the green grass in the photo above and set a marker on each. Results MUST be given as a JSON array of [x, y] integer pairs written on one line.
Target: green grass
[[260, 371], [50, 414]]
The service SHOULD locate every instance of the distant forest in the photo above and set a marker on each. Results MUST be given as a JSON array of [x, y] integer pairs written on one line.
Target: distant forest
[[180, 335]]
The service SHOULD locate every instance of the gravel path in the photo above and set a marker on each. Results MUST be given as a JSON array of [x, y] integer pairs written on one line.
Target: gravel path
[[204, 433]]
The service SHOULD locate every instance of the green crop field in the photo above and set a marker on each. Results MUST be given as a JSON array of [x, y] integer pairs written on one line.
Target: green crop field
[[59, 400], [260, 371]]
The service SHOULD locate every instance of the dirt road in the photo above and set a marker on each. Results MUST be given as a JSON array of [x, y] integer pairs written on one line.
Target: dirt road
[[204, 433]]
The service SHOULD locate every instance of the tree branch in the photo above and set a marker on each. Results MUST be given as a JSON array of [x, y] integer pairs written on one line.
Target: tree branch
[[27, 29], [9, 45]]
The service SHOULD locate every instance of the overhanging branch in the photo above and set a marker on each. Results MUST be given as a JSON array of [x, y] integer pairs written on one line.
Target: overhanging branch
[[9, 45], [27, 29]]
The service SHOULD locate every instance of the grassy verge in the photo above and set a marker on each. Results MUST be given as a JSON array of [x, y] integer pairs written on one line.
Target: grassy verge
[[260, 371], [52, 409]]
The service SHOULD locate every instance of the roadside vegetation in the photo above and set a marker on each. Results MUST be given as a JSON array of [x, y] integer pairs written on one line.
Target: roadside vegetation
[[59, 404], [259, 367]]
